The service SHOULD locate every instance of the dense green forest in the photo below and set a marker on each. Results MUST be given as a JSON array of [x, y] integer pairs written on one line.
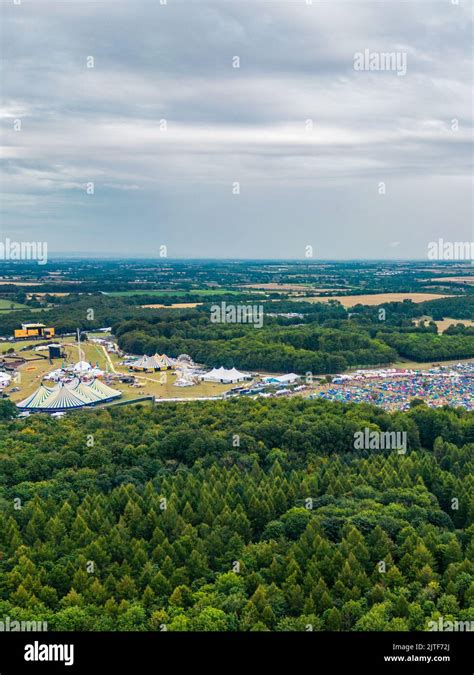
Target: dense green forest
[[426, 347], [327, 346], [239, 515], [301, 349]]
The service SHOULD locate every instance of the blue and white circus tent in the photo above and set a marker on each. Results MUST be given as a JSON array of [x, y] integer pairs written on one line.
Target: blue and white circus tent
[[63, 398], [69, 396], [36, 399], [103, 390], [85, 392]]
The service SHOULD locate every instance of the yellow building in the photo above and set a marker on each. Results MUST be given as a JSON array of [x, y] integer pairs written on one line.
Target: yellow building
[[32, 330]]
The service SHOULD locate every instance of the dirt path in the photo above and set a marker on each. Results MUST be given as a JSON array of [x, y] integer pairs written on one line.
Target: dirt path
[[109, 360]]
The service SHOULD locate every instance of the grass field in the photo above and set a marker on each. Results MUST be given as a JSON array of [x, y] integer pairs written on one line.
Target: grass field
[[161, 385], [20, 283], [8, 305], [5, 346]]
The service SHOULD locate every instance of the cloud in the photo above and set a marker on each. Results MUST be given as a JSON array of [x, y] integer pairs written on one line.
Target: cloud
[[164, 111]]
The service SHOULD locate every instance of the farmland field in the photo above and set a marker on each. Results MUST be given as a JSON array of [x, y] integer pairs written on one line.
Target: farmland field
[[8, 305], [378, 298], [456, 280], [444, 324]]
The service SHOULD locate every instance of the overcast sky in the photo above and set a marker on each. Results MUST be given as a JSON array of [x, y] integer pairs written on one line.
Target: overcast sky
[[165, 126]]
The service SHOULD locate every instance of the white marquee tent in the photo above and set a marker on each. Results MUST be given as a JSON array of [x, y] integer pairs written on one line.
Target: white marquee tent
[[82, 367], [226, 376]]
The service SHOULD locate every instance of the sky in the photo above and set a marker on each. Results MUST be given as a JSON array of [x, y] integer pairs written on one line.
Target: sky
[[237, 128]]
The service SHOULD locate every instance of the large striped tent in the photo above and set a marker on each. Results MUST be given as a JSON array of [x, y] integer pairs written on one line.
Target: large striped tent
[[63, 398], [86, 392], [36, 399], [155, 362], [145, 363], [69, 396], [103, 390], [164, 361]]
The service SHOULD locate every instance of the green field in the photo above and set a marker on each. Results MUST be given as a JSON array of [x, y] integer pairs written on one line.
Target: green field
[[18, 345], [9, 306]]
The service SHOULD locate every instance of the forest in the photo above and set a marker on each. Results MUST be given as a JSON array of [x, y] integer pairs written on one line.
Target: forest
[[236, 516], [424, 347], [322, 344], [301, 349]]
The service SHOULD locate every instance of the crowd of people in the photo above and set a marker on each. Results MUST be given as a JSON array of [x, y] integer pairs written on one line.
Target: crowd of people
[[446, 385]]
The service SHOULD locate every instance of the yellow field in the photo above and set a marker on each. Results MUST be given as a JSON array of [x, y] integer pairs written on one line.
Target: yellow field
[[377, 298], [41, 295], [457, 280], [21, 283], [446, 323]]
